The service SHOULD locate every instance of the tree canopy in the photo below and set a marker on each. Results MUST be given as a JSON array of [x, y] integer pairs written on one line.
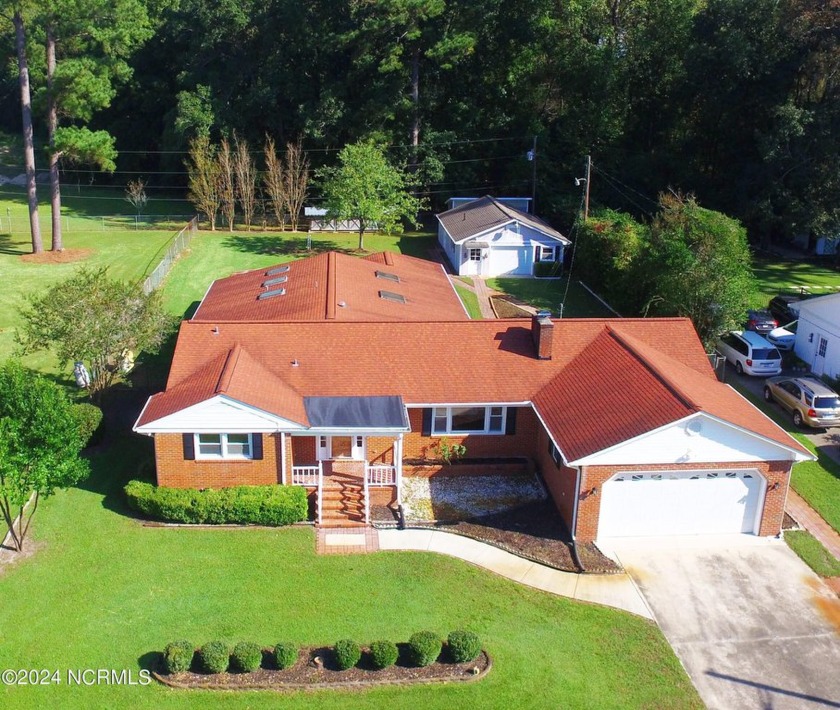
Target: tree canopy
[[40, 441], [367, 188], [96, 320]]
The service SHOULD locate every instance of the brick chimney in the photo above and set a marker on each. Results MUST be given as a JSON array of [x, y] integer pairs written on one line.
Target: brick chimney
[[542, 330]]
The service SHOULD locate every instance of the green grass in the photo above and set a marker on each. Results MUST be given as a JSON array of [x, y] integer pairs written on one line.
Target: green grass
[[812, 553], [548, 294], [470, 301], [818, 482], [776, 276], [103, 591]]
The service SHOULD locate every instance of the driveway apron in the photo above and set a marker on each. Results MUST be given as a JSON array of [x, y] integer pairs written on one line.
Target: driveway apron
[[753, 626]]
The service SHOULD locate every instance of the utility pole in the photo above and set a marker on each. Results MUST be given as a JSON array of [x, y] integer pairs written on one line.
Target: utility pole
[[533, 158], [586, 198]]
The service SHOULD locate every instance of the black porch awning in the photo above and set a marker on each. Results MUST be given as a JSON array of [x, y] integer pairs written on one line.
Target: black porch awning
[[356, 412]]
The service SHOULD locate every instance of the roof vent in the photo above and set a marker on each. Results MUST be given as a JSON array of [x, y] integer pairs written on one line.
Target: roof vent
[[277, 270], [271, 294], [391, 296], [342, 304], [277, 280], [387, 276]]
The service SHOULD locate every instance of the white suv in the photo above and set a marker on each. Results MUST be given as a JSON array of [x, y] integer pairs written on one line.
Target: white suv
[[750, 353]]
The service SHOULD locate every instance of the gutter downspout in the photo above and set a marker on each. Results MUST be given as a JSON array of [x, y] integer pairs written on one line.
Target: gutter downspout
[[574, 521]]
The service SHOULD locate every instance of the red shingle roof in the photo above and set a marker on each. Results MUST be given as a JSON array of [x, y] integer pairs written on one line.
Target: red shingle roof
[[317, 286]]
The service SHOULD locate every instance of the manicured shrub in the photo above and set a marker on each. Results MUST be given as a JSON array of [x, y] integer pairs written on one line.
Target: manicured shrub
[[246, 657], [463, 646], [89, 417], [285, 655], [215, 656], [178, 656], [245, 505], [347, 653], [383, 654], [424, 648]]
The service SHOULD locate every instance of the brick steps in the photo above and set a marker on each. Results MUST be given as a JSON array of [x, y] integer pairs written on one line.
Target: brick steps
[[342, 505]]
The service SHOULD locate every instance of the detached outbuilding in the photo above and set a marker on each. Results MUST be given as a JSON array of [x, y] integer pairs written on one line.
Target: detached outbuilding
[[492, 236]]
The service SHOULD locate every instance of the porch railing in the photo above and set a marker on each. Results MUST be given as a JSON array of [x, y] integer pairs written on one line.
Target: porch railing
[[381, 475], [367, 501], [305, 475], [320, 499]]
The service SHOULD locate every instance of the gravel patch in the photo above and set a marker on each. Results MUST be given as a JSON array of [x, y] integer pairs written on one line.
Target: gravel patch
[[450, 498]]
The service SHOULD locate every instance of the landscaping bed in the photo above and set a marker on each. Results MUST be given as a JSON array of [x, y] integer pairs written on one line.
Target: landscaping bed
[[505, 307], [307, 673], [536, 532]]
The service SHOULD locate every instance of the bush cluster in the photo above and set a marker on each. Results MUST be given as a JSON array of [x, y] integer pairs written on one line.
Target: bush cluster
[[246, 657], [178, 656], [255, 505], [215, 656], [383, 654], [424, 648], [347, 653], [285, 655], [463, 646], [89, 418]]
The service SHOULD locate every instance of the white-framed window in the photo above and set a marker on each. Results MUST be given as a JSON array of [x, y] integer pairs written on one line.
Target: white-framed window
[[469, 420], [545, 253], [223, 446], [475, 254]]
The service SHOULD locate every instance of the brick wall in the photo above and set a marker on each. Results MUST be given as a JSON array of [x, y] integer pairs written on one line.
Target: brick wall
[[417, 446], [560, 480], [176, 472], [594, 477]]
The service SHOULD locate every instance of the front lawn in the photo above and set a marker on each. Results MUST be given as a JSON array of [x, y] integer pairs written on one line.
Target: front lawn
[[779, 275], [104, 592], [548, 294]]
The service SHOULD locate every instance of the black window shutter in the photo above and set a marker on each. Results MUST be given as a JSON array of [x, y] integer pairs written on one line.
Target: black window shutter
[[257, 446], [427, 422], [510, 423], [189, 447]]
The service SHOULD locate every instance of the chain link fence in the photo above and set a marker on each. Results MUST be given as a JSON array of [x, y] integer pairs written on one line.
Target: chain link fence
[[177, 245]]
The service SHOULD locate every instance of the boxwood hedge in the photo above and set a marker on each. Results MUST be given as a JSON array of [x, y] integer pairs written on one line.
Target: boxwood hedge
[[254, 505]]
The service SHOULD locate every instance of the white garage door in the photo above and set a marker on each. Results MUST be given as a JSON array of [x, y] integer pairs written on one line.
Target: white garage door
[[680, 503], [509, 260]]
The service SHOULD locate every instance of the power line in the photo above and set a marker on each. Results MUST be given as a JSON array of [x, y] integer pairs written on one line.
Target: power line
[[625, 195], [655, 203], [572, 232]]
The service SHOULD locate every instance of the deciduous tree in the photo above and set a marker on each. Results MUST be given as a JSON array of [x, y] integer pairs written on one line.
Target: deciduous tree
[[204, 180], [227, 182], [97, 320], [40, 441], [367, 188], [245, 174]]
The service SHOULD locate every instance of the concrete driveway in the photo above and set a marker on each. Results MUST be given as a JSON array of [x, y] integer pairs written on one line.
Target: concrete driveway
[[753, 626]]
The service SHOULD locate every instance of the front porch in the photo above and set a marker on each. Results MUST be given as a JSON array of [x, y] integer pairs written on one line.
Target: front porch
[[349, 474]]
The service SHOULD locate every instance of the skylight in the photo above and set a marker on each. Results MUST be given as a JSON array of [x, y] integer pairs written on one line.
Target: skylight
[[271, 294], [277, 280], [277, 270], [391, 296], [386, 275]]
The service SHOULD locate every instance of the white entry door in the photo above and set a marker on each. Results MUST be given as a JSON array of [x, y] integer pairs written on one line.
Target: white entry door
[[680, 503], [341, 447], [819, 355], [323, 448]]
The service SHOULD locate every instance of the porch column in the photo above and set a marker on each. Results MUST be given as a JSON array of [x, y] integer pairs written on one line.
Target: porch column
[[398, 457], [283, 477]]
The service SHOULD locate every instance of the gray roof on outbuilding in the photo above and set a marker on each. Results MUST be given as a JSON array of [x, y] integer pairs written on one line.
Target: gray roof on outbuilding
[[484, 213]]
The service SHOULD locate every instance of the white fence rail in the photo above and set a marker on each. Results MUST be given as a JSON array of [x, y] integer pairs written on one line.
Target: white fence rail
[[305, 475], [381, 475], [181, 242]]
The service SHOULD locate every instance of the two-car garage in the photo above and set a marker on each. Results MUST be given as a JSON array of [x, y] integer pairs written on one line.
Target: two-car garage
[[681, 502]]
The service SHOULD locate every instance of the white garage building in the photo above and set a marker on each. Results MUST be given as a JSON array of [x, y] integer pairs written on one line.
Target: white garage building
[[492, 236], [818, 334]]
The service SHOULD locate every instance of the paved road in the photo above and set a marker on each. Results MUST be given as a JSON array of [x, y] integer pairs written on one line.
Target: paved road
[[753, 626]]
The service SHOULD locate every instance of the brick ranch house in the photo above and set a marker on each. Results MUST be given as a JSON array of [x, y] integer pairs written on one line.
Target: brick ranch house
[[332, 372]]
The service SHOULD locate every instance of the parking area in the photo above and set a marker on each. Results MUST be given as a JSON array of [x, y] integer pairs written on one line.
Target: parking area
[[753, 626]]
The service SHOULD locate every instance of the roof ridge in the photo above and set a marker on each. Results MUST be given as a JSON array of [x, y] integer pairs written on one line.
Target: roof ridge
[[227, 371], [625, 342], [331, 285]]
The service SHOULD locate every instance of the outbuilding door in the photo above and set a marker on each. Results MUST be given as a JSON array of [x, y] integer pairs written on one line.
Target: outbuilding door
[[509, 261], [681, 503]]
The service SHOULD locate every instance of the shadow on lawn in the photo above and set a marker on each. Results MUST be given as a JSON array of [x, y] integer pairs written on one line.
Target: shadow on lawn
[[7, 246], [281, 244]]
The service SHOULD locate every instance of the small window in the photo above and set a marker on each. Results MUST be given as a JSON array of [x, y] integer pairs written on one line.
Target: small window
[[388, 277], [823, 347], [656, 477], [636, 477], [731, 474], [545, 253], [711, 475], [469, 420], [277, 270], [620, 478], [360, 442], [271, 294], [210, 445], [239, 445], [223, 446], [475, 254], [441, 423], [274, 281], [391, 296], [496, 421]]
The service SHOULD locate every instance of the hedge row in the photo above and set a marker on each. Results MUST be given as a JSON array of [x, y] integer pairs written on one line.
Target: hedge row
[[424, 648], [244, 505]]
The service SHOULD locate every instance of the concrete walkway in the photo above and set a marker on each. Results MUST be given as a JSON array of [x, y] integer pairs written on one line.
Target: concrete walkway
[[811, 520], [483, 295], [615, 590]]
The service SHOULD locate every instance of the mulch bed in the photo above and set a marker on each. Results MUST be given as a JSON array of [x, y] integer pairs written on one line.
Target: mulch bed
[[505, 307], [307, 674], [533, 531], [57, 257], [788, 523]]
